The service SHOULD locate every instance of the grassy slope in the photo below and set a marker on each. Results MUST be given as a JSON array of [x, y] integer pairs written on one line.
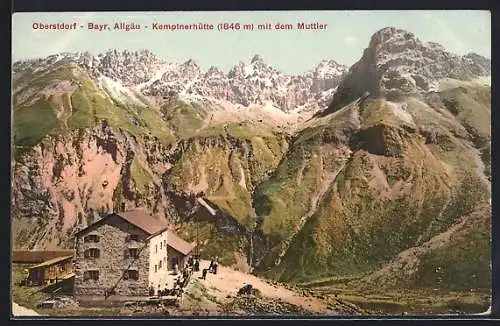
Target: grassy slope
[[184, 118], [472, 107], [89, 106], [464, 262], [26, 131], [26, 296], [282, 200], [141, 177], [218, 170], [357, 229]]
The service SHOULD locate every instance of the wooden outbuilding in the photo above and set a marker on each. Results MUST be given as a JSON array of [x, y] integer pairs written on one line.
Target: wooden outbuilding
[[51, 271]]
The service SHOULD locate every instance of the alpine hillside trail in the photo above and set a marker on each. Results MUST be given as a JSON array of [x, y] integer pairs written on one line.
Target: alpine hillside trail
[[228, 281]]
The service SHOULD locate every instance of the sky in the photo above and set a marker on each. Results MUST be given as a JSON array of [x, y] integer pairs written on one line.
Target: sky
[[291, 51]]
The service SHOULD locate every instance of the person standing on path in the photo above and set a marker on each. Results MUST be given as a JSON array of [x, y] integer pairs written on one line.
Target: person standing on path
[[176, 269], [196, 265]]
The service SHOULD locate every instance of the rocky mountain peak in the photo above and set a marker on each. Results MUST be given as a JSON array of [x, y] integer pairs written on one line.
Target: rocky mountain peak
[[327, 68], [391, 35], [248, 83], [257, 58], [214, 72], [190, 69], [396, 63], [190, 63], [129, 67]]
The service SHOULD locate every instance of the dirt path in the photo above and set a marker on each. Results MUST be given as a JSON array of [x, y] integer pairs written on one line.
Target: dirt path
[[228, 281], [18, 310]]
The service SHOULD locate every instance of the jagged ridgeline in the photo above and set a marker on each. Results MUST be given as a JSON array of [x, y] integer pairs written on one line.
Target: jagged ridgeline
[[381, 171]]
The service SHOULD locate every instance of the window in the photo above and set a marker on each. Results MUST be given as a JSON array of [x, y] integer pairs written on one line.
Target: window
[[91, 253], [156, 248], [156, 268], [160, 244], [91, 275], [164, 259], [165, 243], [131, 253], [159, 265], [132, 237], [91, 238], [62, 267], [131, 274]]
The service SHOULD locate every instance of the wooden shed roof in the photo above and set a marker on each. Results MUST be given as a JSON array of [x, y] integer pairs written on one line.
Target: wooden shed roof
[[182, 246], [37, 256], [52, 262]]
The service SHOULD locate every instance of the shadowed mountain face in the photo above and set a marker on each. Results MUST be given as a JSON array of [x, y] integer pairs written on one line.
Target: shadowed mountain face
[[391, 181]]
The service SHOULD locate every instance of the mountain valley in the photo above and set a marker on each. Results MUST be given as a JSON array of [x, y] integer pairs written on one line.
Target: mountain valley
[[378, 173]]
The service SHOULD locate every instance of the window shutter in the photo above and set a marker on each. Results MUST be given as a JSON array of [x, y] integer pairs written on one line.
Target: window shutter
[[98, 253], [86, 254], [126, 253], [96, 238]]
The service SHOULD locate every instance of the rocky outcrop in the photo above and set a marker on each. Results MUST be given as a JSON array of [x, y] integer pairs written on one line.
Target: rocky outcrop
[[396, 63], [131, 68], [255, 83], [382, 140], [72, 180]]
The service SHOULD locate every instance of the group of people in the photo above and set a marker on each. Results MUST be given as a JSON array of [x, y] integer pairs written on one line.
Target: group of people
[[211, 269], [194, 263]]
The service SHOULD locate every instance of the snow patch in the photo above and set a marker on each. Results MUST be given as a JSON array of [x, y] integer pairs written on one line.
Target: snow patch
[[248, 70], [205, 204], [242, 182], [157, 76], [119, 92]]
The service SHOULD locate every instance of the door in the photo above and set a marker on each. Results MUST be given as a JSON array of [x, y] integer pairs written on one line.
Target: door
[[174, 261]]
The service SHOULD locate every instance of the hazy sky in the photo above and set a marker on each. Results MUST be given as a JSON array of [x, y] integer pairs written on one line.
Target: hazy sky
[[347, 34]]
